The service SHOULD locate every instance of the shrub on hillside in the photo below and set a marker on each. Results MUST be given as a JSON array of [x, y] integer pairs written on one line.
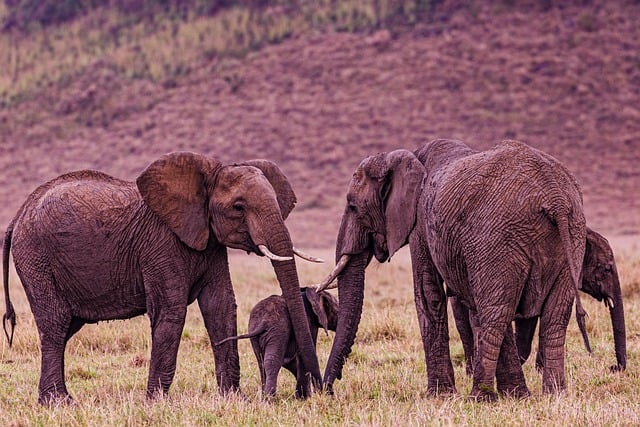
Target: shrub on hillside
[[25, 14]]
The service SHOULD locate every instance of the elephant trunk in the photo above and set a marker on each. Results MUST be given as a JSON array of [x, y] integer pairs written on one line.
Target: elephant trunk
[[350, 297], [616, 310], [279, 243]]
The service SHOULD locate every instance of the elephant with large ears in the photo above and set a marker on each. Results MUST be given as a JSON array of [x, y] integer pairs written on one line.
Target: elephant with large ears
[[503, 228], [90, 247]]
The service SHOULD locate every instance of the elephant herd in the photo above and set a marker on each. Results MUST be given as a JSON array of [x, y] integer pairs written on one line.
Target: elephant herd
[[500, 234]]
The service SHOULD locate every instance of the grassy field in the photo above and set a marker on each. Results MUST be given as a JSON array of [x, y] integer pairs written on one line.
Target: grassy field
[[384, 381]]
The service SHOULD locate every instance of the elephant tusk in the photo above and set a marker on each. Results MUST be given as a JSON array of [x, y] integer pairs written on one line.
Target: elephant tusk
[[273, 257], [342, 263], [609, 302], [306, 256]]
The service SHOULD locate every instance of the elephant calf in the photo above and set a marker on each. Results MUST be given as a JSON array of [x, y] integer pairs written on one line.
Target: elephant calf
[[272, 339]]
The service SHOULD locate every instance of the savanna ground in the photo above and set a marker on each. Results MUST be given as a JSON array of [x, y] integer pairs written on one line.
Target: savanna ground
[[316, 89], [384, 379]]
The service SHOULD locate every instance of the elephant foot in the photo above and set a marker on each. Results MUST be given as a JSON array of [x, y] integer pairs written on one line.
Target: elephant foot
[[156, 394], [441, 389], [552, 389], [303, 393], [55, 399], [269, 398], [483, 393], [516, 391], [328, 389], [269, 393], [229, 390], [617, 368]]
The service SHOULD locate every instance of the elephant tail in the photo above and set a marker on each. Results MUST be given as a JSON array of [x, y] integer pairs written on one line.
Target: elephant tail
[[10, 314], [563, 228], [240, 337]]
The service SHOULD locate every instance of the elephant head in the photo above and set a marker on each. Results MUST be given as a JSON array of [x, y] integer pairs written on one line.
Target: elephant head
[[324, 306], [241, 206], [379, 216], [600, 280]]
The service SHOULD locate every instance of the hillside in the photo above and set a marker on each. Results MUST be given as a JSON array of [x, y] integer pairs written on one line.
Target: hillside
[[565, 80]]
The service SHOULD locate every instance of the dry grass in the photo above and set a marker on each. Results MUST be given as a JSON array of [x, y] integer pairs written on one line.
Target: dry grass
[[384, 380]]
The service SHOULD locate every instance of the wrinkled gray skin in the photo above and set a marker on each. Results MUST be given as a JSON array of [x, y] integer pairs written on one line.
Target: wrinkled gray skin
[[90, 247], [272, 339], [599, 279], [505, 230]]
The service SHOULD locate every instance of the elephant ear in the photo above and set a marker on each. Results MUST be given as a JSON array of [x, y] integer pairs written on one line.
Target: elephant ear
[[174, 188], [403, 182], [279, 182], [591, 244], [318, 307]]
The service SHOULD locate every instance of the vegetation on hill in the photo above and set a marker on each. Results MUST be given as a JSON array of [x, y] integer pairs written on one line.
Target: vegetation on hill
[[46, 41], [331, 83]]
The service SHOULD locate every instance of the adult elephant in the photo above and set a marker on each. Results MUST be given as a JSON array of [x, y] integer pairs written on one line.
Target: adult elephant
[[599, 280], [505, 230], [90, 247]]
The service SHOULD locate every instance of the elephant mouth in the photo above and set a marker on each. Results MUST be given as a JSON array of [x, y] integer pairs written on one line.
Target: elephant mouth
[[380, 249]]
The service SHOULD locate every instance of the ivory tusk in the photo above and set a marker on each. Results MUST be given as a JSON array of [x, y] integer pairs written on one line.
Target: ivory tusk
[[306, 256], [273, 257], [342, 263], [331, 285], [609, 301]]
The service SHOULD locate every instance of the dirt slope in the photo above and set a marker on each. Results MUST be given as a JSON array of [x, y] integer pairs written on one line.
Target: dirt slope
[[566, 80]]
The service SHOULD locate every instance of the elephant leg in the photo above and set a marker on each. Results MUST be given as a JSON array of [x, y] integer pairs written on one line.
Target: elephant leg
[[554, 320], [219, 310], [494, 322], [165, 339], [303, 384], [54, 323], [258, 352], [431, 306], [273, 360], [463, 325], [53, 336], [525, 329], [509, 375]]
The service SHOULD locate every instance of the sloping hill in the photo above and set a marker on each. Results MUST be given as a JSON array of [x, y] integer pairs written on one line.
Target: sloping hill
[[566, 80]]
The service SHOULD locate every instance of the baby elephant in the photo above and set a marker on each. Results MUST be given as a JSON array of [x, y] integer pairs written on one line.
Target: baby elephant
[[273, 341]]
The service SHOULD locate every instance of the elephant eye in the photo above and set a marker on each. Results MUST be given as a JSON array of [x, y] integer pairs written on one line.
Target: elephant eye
[[238, 207], [352, 208]]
